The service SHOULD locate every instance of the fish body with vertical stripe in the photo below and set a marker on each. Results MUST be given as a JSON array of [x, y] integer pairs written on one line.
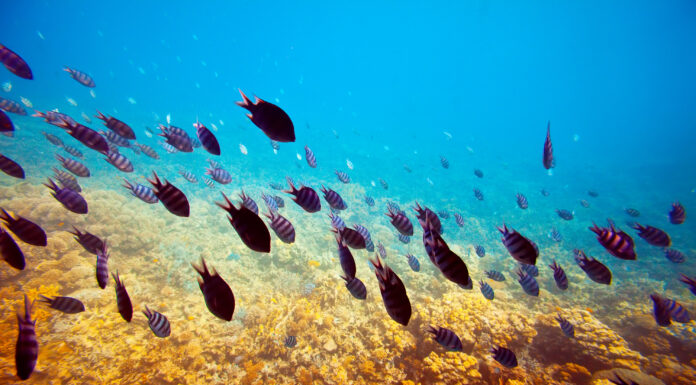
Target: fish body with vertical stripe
[[14, 63], [26, 230], [67, 305], [117, 126], [305, 197], [171, 197], [158, 322], [80, 77], [70, 199], [27, 348]]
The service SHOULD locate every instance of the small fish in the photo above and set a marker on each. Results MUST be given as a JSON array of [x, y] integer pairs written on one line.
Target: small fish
[[86, 136], [446, 338], [290, 342], [400, 221], [117, 126], [480, 251], [311, 159], [504, 356], [413, 262], [80, 77], [276, 186], [119, 161], [271, 203], [11, 168], [168, 148], [616, 242], [123, 301], [675, 256], [249, 203], [594, 269], [565, 214], [676, 311], [405, 239], [528, 283], [478, 173], [56, 141], [217, 293], [342, 176], [10, 252], [209, 182], [547, 159], [27, 103], [66, 180], [282, 227], [584, 203], [545, 192], [102, 266], [356, 287], [393, 292], [15, 64], [677, 215], [690, 282], [653, 235], [565, 326], [86, 118], [279, 201], [519, 247], [349, 164], [70, 199], [172, 136], [369, 200], [248, 225], [486, 290], [383, 183], [141, 192], [271, 119], [444, 214], [369, 245], [522, 201], [305, 197], [74, 166], [12, 106], [632, 212], [444, 162], [26, 230], [207, 139], [381, 250], [559, 276], [459, 219], [6, 86], [495, 275], [447, 261], [27, 348], [67, 305], [54, 117], [530, 269], [87, 240], [74, 152], [333, 199], [147, 150], [337, 222], [592, 193], [159, 324], [478, 194], [171, 197], [115, 139], [243, 149]]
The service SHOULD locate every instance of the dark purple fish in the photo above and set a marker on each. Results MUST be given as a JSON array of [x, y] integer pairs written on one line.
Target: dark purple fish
[[519, 247], [660, 310], [67, 305], [504, 356], [691, 282], [123, 301], [26, 230], [356, 287], [342, 176], [522, 201], [333, 199], [249, 203], [400, 222], [171, 197], [653, 235], [448, 262], [117, 126], [282, 227], [89, 241], [478, 173], [70, 199], [10, 167], [102, 266], [528, 283], [311, 159], [565, 214], [446, 338], [345, 258], [594, 269], [217, 293], [271, 119], [81, 77], [55, 118], [15, 63], [559, 276], [119, 161], [10, 252], [86, 136], [27, 349], [393, 292], [351, 238], [305, 197], [249, 226], [675, 256], [159, 324], [74, 166], [616, 242], [12, 106], [5, 123], [180, 142], [548, 149], [677, 215], [478, 194], [207, 138], [425, 216]]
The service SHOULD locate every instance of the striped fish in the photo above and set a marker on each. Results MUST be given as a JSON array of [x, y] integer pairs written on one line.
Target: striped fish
[[67, 305], [74, 166], [661, 311], [123, 301], [281, 226], [249, 203], [381, 250], [189, 176], [478, 173], [11, 168], [196, 143], [446, 338], [486, 290], [584, 203], [209, 182], [10, 252], [495, 275], [6, 125], [305, 197], [447, 261], [384, 184], [522, 201], [504, 356], [424, 215], [400, 222], [559, 275], [12, 106], [54, 117], [351, 238], [478, 194], [566, 326], [653, 235], [217, 293], [56, 141], [548, 149], [271, 203], [404, 238], [369, 200], [112, 147], [102, 266], [481, 251], [168, 148], [15, 64], [250, 228], [80, 77], [530, 269], [119, 161], [555, 235], [219, 175], [159, 324], [444, 214], [369, 245], [675, 256], [677, 311], [459, 219], [444, 162], [27, 349], [337, 222], [594, 269], [342, 176], [311, 159], [393, 292], [632, 212], [207, 139], [147, 150], [519, 247], [279, 201], [690, 282], [413, 262], [276, 186], [87, 240], [180, 142], [171, 197], [333, 199], [356, 287], [565, 214], [73, 151], [345, 257], [290, 342], [86, 136], [115, 139], [141, 192], [117, 126], [528, 283], [26, 230], [70, 199], [677, 215]]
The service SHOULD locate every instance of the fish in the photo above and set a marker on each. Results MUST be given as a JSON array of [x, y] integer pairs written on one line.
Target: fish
[[545, 192], [565, 214], [478, 173], [209, 182], [660, 310], [74, 152], [26, 230], [147, 150], [66, 180], [74, 166], [413, 262], [290, 342], [393, 292], [6, 125], [584, 203], [67, 305], [690, 282], [189, 176], [243, 149], [345, 257], [10, 251], [559, 276], [616, 242], [120, 128], [504, 356], [12, 106], [86, 136], [355, 287], [309, 156], [677, 311], [675, 256], [271, 119], [444, 162], [27, 348], [653, 235], [592, 193], [405, 239], [444, 214], [520, 248], [141, 192], [446, 338], [478, 194], [123, 301], [522, 201], [275, 145], [305, 197], [207, 139], [56, 141], [15, 64], [530, 269], [369, 245], [400, 222], [495, 275], [11, 168], [381, 250], [342, 176], [632, 212], [427, 217], [6, 86], [548, 160], [384, 184], [102, 265], [276, 186], [480, 251], [218, 295], [594, 269], [70, 199], [80, 77], [566, 327], [337, 221], [249, 203], [172, 136], [90, 242], [168, 148], [486, 290], [119, 161], [555, 235], [27, 103], [370, 201], [86, 118], [271, 203], [528, 283], [173, 199], [281, 226], [351, 238], [333, 199], [677, 215], [248, 225], [158, 322], [621, 381], [447, 261], [54, 117], [459, 219], [71, 101]]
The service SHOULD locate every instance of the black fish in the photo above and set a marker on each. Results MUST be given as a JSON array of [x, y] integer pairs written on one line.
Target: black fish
[[70, 199], [86, 136], [653, 235], [393, 293], [159, 324], [123, 301], [74, 166], [425, 216], [282, 227], [478, 194], [355, 286], [400, 222], [249, 226], [117, 126], [208, 139], [345, 258], [271, 119], [660, 311], [446, 338], [305, 197], [351, 238], [103, 266], [504, 356], [171, 197], [594, 269], [616, 242], [217, 293], [677, 215], [447, 261], [26, 230], [632, 212], [559, 276], [89, 241], [565, 326], [16, 65], [80, 77], [548, 149], [528, 283], [67, 305], [27, 348], [444, 162], [333, 199], [6, 123], [10, 167], [10, 252], [290, 342], [173, 136], [480, 251], [311, 159], [675, 256], [478, 173], [565, 214], [519, 247], [522, 201]]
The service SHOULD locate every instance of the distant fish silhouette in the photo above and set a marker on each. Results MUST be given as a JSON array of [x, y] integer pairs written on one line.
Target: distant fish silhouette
[[446, 338], [548, 160], [80, 77], [677, 215]]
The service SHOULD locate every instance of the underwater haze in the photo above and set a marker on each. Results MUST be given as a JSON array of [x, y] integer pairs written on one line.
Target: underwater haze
[[519, 126]]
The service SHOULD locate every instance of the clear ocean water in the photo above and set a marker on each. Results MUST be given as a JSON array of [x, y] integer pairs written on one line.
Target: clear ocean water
[[378, 91]]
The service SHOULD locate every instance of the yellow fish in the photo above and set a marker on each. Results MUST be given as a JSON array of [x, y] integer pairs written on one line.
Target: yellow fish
[[314, 263], [61, 223], [155, 260], [274, 300]]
